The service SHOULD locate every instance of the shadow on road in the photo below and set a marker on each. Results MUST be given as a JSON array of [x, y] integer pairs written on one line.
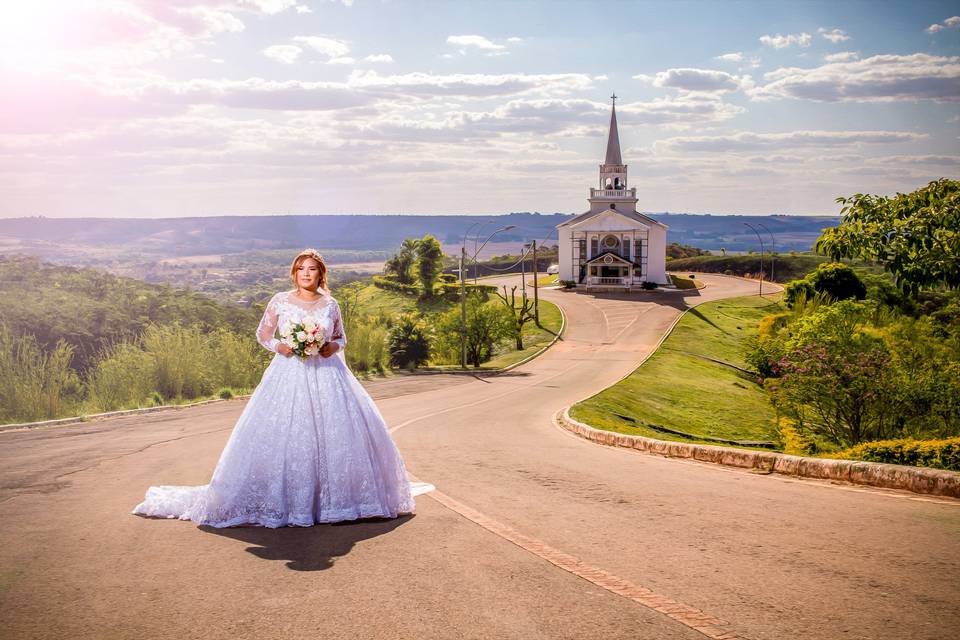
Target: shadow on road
[[309, 548]]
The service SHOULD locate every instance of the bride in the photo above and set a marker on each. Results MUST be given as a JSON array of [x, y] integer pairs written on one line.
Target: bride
[[310, 446]]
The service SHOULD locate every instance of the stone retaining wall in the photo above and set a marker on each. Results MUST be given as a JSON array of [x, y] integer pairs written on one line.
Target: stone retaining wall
[[875, 474]]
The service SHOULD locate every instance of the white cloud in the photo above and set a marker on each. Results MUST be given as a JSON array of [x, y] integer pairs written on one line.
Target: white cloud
[[952, 161], [302, 8], [215, 21], [379, 57], [481, 44], [285, 53], [701, 80], [884, 78], [323, 45], [342, 60], [841, 56], [749, 141], [478, 42], [833, 35], [476, 85], [730, 57], [781, 42], [268, 6], [950, 22]]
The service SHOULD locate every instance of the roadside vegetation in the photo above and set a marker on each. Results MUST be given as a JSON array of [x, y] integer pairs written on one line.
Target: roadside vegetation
[[80, 341]]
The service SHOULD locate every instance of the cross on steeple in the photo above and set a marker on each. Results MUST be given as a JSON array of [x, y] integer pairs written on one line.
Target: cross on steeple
[[614, 98]]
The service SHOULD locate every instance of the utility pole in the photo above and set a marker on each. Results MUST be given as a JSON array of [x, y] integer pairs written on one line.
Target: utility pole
[[463, 308], [752, 228], [536, 297], [523, 275]]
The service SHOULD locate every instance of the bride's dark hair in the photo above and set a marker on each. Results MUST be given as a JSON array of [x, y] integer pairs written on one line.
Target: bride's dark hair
[[303, 255]]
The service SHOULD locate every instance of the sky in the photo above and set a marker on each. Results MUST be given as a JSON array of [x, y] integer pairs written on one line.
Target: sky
[[164, 108]]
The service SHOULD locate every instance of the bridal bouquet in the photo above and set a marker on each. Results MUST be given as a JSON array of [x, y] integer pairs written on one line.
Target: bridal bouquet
[[305, 337]]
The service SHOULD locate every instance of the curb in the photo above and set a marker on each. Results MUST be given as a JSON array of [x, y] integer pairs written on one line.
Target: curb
[[922, 480], [113, 414]]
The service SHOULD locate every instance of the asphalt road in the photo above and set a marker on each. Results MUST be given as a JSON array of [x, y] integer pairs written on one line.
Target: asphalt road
[[489, 554]]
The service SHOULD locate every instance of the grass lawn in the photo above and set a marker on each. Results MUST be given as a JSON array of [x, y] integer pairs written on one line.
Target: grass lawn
[[692, 383], [534, 338]]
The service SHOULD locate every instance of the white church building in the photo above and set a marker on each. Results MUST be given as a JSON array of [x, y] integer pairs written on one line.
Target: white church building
[[612, 246]]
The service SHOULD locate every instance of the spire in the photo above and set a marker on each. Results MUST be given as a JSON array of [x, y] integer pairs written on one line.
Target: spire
[[613, 140]]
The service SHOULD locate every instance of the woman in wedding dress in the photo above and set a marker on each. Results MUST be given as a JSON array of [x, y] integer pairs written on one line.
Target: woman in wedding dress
[[310, 446]]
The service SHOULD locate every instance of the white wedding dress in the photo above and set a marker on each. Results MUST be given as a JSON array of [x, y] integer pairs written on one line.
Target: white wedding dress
[[309, 447]]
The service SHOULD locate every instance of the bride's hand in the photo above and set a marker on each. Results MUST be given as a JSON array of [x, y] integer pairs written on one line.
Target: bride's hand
[[328, 349], [284, 350]]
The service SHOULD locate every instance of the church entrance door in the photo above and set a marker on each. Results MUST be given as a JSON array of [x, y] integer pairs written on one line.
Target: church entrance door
[[610, 272]]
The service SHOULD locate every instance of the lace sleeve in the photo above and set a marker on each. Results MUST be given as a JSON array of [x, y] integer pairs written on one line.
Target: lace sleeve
[[336, 332], [268, 326]]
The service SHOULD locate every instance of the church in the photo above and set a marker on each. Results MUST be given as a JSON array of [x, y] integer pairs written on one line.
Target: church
[[612, 246]]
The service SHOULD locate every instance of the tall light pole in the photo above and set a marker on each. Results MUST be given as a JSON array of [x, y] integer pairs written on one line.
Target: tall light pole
[[761, 254], [463, 289], [773, 248]]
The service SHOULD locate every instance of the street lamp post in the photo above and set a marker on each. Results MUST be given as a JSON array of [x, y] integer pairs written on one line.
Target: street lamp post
[[463, 288], [761, 254], [773, 248]]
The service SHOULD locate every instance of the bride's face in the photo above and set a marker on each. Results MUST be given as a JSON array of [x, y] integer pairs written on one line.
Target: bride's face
[[308, 274]]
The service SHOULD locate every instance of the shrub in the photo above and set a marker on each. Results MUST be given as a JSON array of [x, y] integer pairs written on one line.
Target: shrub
[[35, 383], [121, 379], [567, 284], [838, 281], [408, 343], [391, 284], [763, 354], [938, 454], [834, 280], [681, 283], [367, 350], [769, 325], [649, 285], [225, 394], [182, 360], [797, 290], [451, 290]]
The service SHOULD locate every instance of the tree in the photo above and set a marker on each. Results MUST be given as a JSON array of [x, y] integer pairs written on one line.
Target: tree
[[429, 263], [837, 378], [401, 264], [520, 315], [915, 236], [408, 343], [487, 324]]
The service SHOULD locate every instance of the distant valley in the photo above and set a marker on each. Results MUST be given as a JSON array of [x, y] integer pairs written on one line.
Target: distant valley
[[232, 257]]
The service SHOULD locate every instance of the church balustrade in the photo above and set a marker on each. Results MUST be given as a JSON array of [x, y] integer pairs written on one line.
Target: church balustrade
[[613, 193]]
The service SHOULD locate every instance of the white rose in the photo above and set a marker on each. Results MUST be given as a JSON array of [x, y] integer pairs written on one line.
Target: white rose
[[312, 349], [309, 325], [286, 329], [311, 338], [289, 341], [301, 336]]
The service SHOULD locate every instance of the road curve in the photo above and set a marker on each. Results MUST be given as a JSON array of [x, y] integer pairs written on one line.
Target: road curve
[[532, 533]]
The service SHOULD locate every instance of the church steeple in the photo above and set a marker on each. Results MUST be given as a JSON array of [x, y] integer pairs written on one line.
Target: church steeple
[[613, 191], [613, 138]]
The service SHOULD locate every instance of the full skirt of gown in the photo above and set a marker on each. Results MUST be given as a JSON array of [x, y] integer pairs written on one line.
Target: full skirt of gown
[[309, 447]]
